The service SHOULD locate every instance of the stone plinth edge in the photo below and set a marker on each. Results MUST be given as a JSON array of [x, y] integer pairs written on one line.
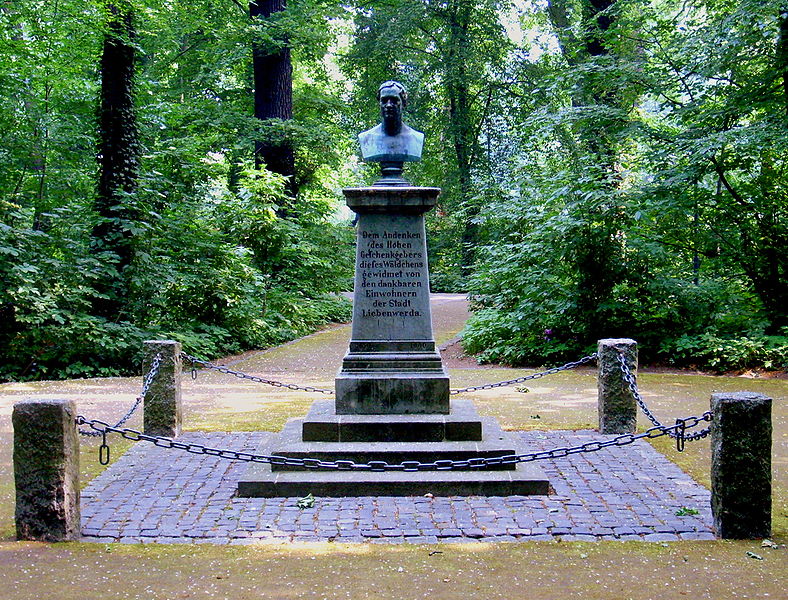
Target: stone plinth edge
[[390, 392], [391, 199]]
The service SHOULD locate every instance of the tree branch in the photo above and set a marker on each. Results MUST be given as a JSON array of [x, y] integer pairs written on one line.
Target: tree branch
[[244, 9], [724, 180]]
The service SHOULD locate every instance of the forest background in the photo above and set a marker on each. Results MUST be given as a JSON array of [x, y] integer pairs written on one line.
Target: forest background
[[610, 168]]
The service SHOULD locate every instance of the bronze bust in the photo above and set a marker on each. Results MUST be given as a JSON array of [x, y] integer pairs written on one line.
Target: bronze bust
[[391, 143]]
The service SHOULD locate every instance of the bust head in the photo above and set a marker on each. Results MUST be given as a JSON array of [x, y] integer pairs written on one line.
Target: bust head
[[393, 98]]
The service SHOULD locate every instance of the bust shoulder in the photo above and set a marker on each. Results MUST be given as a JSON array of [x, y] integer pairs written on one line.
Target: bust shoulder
[[369, 134], [378, 146]]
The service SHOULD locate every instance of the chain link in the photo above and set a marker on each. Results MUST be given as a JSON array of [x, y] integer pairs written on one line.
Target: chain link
[[678, 431], [241, 375], [308, 388], [146, 383], [490, 386], [480, 462]]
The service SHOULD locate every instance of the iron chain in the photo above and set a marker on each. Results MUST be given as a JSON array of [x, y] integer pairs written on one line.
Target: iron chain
[[308, 388], [481, 462], [490, 386], [146, 383], [677, 431], [241, 375]]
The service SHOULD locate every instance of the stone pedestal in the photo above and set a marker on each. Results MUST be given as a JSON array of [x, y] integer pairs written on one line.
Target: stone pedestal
[[392, 392], [392, 365]]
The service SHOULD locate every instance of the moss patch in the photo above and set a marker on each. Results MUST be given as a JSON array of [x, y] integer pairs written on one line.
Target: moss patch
[[266, 416], [537, 570]]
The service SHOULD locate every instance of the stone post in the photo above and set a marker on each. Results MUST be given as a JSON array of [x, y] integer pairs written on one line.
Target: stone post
[[741, 465], [162, 408], [46, 470], [616, 405]]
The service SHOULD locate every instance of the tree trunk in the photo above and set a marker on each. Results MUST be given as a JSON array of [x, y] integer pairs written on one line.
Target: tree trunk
[[596, 248], [273, 96], [460, 124], [782, 51], [118, 155]]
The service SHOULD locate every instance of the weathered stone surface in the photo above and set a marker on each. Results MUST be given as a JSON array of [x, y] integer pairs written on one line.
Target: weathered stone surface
[[741, 466], [162, 408], [392, 365], [323, 424], [526, 480], [392, 393], [46, 470], [268, 481], [616, 405], [494, 442]]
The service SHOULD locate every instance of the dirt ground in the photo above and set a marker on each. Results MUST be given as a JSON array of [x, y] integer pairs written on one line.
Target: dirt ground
[[719, 569]]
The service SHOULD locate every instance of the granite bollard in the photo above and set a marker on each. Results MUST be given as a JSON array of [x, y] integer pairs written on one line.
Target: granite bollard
[[616, 405], [162, 407], [46, 470], [741, 466]]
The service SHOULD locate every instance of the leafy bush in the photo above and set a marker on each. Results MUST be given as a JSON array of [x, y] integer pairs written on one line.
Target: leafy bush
[[498, 336], [712, 352], [220, 273]]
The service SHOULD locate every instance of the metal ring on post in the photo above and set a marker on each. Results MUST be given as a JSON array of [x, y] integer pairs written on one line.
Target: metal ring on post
[[104, 449], [681, 428]]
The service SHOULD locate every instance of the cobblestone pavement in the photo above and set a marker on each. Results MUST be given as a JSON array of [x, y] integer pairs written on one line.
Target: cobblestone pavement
[[157, 495]]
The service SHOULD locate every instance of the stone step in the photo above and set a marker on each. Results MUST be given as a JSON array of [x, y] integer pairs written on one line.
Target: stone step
[[261, 482], [323, 424], [494, 442]]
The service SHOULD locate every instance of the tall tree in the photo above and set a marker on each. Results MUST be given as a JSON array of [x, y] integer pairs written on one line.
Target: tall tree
[[118, 154], [596, 252], [722, 82], [273, 93]]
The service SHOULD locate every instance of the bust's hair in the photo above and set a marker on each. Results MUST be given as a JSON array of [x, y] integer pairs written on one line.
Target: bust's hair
[[398, 87]]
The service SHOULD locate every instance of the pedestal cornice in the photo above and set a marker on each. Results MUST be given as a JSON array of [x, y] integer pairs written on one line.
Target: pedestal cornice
[[391, 200]]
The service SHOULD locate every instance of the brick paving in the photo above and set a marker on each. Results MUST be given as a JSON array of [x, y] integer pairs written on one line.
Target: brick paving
[[158, 495]]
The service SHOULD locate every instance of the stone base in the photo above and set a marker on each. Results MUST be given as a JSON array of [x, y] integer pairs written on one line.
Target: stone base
[[392, 393], [261, 482], [326, 435], [323, 424]]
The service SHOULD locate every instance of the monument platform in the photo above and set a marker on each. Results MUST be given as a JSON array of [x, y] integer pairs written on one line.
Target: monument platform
[[328, 436], [323, 424], [392, 399]]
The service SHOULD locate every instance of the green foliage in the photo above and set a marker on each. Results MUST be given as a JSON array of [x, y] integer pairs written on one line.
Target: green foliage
[[619, 171], [647, 194], [214, 263], [712, 352]]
